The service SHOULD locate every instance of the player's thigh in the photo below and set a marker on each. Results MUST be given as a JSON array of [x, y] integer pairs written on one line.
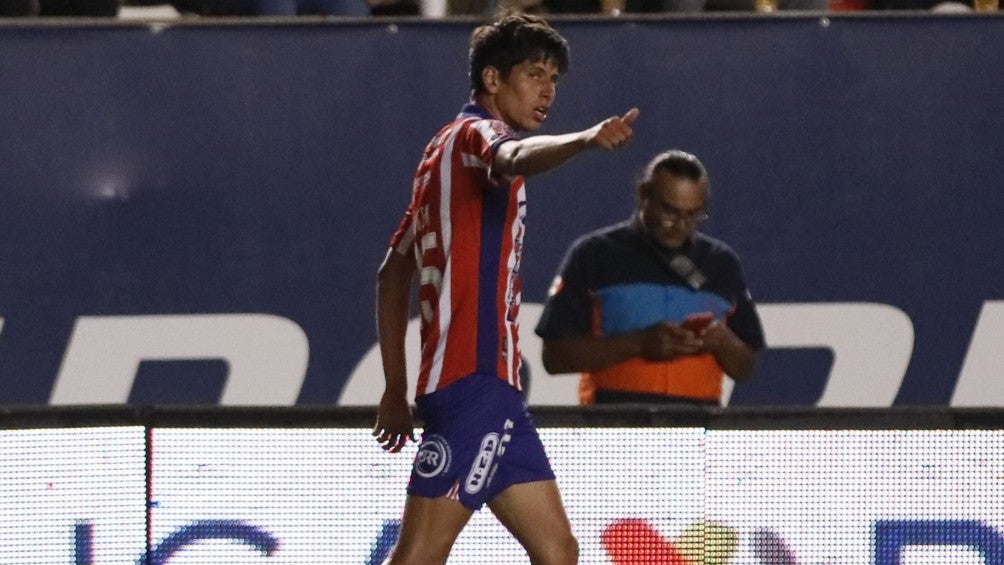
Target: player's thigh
[[429, 526], [535, 515]]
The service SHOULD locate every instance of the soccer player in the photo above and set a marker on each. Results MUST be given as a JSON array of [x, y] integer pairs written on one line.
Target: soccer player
[[462, 235]]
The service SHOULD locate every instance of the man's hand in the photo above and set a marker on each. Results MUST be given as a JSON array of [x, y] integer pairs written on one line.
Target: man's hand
[[666, 340], [615, 132], [394, 426], [732, 354], [716, 337]]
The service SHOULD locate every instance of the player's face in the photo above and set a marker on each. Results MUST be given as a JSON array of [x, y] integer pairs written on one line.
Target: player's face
[[525, 96], [673, 208]]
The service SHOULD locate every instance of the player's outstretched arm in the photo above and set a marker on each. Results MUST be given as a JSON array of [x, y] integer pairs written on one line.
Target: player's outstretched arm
[[542, 153]]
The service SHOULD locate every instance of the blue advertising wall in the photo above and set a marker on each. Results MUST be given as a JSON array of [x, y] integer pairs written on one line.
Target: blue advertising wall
[[194, 213]]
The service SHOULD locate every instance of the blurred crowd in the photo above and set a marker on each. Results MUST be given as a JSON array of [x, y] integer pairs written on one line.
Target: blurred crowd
[[445, 8]]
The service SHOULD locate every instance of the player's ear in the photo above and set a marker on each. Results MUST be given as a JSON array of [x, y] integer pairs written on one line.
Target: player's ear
[[491, 78]]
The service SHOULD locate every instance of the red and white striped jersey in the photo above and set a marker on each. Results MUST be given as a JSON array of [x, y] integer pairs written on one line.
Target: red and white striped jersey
[[466, 227]]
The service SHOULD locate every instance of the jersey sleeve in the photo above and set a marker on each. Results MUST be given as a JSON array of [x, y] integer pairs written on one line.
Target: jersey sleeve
[[404, 236], [481, 140], [570, 303], [745, 321]]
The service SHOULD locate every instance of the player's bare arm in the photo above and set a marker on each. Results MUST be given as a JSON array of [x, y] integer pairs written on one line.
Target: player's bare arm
[[541, 153], [394, 425]]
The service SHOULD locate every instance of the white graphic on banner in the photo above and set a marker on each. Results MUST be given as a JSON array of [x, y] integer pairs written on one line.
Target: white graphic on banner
[[871, 345], [267, 355], [980, 380]]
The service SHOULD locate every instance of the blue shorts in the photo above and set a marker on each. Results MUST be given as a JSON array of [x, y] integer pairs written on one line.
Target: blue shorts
[[479, 439]]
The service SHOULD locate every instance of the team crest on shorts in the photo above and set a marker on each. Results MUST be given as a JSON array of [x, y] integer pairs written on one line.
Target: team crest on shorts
[[433, 456]]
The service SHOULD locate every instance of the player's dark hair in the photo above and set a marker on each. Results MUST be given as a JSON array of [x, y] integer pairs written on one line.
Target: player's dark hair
[[677, 163], [511, 40]]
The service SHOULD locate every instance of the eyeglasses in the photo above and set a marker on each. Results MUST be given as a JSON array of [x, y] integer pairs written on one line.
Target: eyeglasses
[[675, 215]]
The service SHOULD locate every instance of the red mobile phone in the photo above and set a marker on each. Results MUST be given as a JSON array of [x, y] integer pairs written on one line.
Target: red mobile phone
[[697, 322]]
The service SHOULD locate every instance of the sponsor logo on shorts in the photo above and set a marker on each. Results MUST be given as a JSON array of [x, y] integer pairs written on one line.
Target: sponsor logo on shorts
[[492, 445], [433, 457], [482, 466]]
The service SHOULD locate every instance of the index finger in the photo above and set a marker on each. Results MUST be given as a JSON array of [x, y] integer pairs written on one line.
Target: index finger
[[631, 116]]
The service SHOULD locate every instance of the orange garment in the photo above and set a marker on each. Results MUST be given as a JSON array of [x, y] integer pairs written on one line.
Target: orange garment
[[693, 376]]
